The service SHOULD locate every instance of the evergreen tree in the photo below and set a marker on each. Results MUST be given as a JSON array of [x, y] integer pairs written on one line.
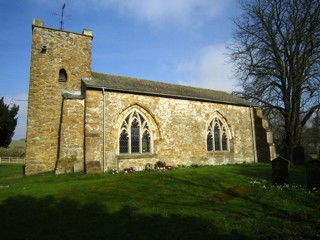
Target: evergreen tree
[[8, 122]]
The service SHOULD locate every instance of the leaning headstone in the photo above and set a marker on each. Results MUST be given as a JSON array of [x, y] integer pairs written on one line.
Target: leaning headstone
[[313, 174], [280, 171]]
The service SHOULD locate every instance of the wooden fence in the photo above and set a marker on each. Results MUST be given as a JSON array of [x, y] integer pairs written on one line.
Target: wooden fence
[[12, 160]]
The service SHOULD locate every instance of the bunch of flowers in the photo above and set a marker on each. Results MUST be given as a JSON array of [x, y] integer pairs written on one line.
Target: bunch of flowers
[[129, 170], [114, 171], [168, 167], [160, 165], [148, 167]]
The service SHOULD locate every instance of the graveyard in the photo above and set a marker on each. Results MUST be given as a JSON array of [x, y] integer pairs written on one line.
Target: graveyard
[[201, 202]]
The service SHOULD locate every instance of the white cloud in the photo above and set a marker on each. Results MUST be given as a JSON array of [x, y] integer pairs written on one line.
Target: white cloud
[[156, 11], [209, 69], [152, 11]]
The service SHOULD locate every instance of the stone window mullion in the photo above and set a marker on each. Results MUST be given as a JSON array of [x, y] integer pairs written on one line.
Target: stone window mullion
[[217, 139], [129, 133], [220, 137], [139, 136]]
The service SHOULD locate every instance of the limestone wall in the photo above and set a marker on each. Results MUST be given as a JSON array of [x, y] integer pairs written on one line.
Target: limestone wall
[[71, 148], [85, 130], [94, 131], [52, 50], [179, 130]]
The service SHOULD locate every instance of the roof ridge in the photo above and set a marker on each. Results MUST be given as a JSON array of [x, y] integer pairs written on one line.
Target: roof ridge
[[157, 88]]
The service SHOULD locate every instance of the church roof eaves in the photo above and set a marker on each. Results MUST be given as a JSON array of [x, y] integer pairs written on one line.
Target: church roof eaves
[[154, 88]]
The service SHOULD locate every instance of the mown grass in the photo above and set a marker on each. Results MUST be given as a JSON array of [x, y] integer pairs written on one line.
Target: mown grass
[[10, 171], [218, 202]]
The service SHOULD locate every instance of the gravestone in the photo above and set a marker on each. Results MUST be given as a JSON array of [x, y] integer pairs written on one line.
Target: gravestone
[[280, 171], [313, 174]]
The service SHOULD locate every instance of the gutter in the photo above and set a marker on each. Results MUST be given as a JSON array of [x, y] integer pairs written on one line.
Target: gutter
[[104, 130]]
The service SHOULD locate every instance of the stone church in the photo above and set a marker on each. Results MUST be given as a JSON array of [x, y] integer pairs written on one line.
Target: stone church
[[84, 121]]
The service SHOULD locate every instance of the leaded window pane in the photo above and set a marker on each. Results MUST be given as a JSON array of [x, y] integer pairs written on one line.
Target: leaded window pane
[[127, 119], [124, 142], [135, 137], [209, 142], [224, 142], [146, 142], [141, 119], [131, 138], [216, 137], [134, 115], [124, 125]]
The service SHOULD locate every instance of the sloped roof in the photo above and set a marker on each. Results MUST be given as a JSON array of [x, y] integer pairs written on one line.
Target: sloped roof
[[147, 87]]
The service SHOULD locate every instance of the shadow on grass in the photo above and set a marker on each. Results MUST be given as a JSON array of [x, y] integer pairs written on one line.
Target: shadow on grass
[[263, 171], [255, 171], [51, 218]]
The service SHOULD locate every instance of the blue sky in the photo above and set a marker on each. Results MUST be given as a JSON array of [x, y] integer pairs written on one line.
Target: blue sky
[[175, 41]]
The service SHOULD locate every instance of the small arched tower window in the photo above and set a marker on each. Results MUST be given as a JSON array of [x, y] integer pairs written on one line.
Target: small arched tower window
[[63, 77]]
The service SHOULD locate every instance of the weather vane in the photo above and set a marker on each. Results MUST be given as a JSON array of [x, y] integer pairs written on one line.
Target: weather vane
[[61, 15]]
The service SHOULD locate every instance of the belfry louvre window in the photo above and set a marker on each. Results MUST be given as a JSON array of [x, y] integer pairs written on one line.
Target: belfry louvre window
[[63, 77], [217, 139], [134, 135]]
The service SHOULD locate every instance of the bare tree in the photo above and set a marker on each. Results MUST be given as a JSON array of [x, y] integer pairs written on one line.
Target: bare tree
[[276, 52]]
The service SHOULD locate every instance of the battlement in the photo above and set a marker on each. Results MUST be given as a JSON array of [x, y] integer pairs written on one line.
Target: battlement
[[40, 23]]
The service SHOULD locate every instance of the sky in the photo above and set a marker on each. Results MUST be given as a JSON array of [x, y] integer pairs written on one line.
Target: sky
[[174, 41]]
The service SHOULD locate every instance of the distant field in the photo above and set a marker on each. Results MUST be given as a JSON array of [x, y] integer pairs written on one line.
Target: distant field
[[218, 202], [18, 143], [17, 149]]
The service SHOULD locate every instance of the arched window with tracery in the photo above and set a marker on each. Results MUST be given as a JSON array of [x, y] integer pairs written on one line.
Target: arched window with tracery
[[135, 136], [217, 137]]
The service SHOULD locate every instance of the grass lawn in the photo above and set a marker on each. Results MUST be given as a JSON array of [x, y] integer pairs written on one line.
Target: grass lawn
[[218, 202]]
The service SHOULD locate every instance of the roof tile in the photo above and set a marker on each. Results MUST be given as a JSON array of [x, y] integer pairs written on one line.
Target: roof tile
[[147, 87]]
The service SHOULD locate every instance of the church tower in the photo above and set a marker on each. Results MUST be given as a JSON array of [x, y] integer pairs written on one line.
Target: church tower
[[59, 60]]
